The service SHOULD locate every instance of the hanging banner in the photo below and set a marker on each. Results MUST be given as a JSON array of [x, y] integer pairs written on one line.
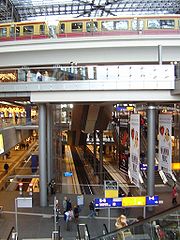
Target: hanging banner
[[1, 143], [165, 142], [135, 148]]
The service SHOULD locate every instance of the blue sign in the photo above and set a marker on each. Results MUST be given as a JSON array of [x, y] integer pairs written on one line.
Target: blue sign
[[117, 202], [152, 201], [144, 167], [68, 174], [107, 202]]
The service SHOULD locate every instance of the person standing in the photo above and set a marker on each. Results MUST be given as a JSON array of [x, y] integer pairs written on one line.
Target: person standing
[[65, 204], [121, 222], [68, 216], [6, 167], [76, 213], [174, 195]]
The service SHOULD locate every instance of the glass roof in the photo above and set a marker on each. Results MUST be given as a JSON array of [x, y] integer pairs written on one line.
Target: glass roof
[[20, 10]]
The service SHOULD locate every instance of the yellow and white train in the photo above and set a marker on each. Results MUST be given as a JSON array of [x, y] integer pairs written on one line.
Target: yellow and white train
[[102, 26]]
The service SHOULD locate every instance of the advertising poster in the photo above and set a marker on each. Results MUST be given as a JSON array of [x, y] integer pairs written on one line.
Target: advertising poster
[[135, 148], [1, 143], [165, 142], [124, 153]]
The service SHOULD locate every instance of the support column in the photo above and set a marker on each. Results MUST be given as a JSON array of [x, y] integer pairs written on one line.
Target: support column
[[49, 143], [160, 54], [101, 155], [94, 156], [42, 155], [151, 134]]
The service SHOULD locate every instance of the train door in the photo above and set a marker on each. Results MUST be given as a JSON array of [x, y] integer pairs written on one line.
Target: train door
[[14, 31], [137, 25], [60, 30], [42, 29], [91, 27]]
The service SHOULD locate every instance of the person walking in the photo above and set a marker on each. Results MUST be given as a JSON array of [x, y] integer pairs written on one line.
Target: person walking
[[92, 210], [174, 195]]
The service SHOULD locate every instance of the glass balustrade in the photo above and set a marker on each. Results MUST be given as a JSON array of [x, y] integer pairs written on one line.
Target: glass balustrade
[[129, 74]]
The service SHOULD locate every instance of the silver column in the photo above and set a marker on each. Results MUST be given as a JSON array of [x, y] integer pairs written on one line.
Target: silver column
[[160, 54], [49, 142], [42, 155], [151, 118]]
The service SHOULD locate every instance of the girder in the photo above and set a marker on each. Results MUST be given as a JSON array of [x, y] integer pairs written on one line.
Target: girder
[[32, 9]]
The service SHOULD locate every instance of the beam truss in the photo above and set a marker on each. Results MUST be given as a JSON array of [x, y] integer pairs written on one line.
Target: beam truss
[[27, 9]]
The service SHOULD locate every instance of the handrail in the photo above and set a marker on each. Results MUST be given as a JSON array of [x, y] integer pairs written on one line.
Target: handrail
[[105, 229], [86, 232], [144, 221], [10, 233]]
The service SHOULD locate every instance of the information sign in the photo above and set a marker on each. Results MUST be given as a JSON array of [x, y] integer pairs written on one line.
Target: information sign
[[140, 201], [144, 167], [154, 200], [80, 200], [107, 202], [24, 202], [111, 189], [111, 185], [133, 201], [68, 174]]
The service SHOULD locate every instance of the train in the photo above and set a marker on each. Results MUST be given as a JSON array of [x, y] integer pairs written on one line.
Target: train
[[101, 26]]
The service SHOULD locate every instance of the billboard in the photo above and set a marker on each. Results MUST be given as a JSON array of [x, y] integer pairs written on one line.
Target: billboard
[[165, 143], [1, 143], [134, 163]]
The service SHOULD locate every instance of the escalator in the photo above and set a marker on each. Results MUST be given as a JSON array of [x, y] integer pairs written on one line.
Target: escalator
[[161, 226]]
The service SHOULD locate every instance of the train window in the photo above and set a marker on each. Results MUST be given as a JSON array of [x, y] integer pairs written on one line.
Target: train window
[[121, 25], [28, 30], [160, 24], [42, 29], [107, 25], [62, 28], [77, 27], [91, 27], [167, 24], [137, 24], [3, 32]]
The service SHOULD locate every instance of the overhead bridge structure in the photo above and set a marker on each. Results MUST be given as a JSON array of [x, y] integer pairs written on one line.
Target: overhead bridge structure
[[133, 69]]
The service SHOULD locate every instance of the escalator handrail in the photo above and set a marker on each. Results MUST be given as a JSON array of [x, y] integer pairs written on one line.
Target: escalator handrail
[[144, 221], [10, 233]]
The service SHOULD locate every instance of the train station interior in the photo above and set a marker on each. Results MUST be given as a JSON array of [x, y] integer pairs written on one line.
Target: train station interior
[[89, 120]]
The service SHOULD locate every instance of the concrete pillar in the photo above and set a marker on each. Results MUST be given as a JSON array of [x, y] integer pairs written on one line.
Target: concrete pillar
[[42, 155], [151, 134]]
